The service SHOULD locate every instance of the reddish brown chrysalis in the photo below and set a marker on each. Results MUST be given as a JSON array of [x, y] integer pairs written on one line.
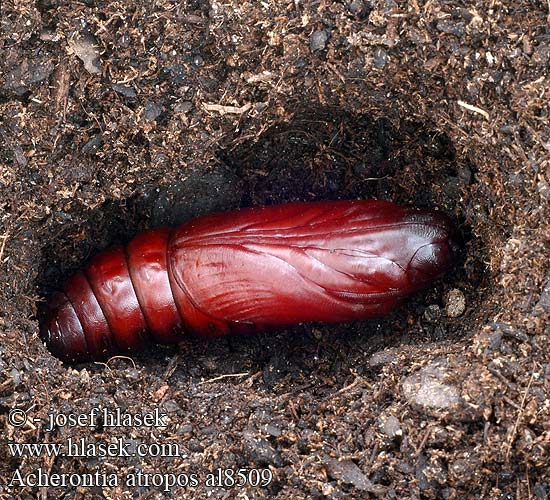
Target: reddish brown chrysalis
[[246, 271]]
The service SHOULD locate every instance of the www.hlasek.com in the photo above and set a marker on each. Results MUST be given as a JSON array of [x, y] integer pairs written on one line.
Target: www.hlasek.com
[[117, 447]]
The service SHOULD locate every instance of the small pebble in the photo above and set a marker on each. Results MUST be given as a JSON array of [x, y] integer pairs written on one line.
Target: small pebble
[[506, 129], [124, 90], [405, 468], [171, 406], [300, 63], [455, 303], [318, 40], [186, 429], [392, 428], [151, 111], [381, 358], [451, 27], [426, 388], [20, 156], [183, 107], [272, 430], [347, 472], [16, 376], [380, 58], [544, 301]]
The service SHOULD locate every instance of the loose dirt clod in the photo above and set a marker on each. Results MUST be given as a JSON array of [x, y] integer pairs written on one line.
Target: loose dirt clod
[[455, 303], [427, 388]]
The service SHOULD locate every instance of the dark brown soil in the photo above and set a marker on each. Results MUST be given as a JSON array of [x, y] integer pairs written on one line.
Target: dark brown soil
[[119, 116]]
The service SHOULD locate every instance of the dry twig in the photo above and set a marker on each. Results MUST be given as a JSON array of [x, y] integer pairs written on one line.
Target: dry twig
[[4, 238], [474, 109], [234, 110], [227, 375]]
